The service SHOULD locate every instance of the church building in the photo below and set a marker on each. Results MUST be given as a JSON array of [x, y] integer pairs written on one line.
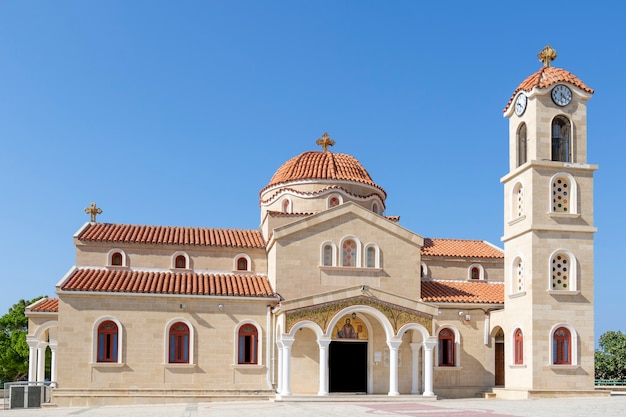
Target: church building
[[331, 295]]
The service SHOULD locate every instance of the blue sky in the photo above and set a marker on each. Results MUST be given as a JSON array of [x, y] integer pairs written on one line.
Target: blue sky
[[178, 113]]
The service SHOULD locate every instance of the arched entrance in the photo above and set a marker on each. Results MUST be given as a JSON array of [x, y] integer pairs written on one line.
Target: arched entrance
[[498, 339], [348, 355]]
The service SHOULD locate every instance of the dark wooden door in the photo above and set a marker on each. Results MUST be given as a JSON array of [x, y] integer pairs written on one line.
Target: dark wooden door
[[499, 365], [347, 367]]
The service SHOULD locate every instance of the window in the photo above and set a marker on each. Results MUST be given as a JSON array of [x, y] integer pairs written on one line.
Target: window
[[518, 201], [476, 272], [107, 341], [286, 205], [327, 255], [562, 347], [247, 350], [561, 195], [116, 259], [517, 275], [446, 347], [522, 151], [371, 257], [423, 270], [181, 262], [348, 257], [178, 343], [518, 342], [333, 201], [561, 271], [242, 264], [375, 208], [561, 140]]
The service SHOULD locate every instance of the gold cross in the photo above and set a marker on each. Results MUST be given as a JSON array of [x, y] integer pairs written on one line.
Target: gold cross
[[325, 142], [547, 55], [93, 211]]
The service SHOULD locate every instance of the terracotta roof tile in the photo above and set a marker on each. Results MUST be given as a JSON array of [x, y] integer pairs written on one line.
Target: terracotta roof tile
[[460, 248], [46, 305], [172, 235], [316, 165], [463, 292], [544, 78], [179, 283]]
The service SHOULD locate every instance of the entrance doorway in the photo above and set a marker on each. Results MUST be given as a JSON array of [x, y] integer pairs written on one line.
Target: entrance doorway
[[499, 365], [347, 367]]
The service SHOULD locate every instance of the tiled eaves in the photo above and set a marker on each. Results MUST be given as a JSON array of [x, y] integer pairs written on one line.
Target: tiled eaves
[[323, 166], [544, 78], [460, 248], [165, 282], [171, 235], [281, 191], [444, 291], [45, 305]]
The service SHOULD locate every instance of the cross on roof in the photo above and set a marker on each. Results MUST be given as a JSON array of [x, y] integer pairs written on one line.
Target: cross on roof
[[547, 55], [93, 211], [325, 142]]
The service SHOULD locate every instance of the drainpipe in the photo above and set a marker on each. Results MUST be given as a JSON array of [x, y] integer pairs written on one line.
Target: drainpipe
[[487, 326]]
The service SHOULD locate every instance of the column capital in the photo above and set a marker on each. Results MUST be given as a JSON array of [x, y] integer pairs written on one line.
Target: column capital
[[287, 342], [394, 344], [323, 342], [32, 342], [415, 346]]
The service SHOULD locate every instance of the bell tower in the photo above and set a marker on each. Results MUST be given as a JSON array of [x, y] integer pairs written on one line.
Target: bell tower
[[548, 235]]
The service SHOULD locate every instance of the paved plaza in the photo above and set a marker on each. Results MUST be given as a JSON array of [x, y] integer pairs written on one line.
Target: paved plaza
[[555, 407]]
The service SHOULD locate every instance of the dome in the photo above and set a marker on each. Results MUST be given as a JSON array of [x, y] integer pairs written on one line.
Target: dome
[[322, 165]]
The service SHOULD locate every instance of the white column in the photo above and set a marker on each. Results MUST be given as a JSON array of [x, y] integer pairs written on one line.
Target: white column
[[323, 344], [286, 387], [41, 361], [53, 363], [415, 372], [429, 345], [279, 371], [32, 358], [393, 366]]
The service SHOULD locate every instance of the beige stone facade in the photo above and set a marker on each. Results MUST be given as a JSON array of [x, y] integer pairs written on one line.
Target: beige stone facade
[[331, 295]]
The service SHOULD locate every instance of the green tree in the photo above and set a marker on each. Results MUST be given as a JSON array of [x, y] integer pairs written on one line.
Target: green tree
[[13, 346], [610, 359]]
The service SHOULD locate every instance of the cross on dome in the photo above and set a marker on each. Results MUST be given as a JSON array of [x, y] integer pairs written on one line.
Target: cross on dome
[[325, 142]]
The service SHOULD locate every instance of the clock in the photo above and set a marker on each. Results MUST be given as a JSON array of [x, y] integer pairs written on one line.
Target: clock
[[561, 95], [520, 104]]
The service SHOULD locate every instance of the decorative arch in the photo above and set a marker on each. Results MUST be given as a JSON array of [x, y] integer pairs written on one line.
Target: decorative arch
[[191, 343], [328, 254], [383, 320], [351, 251], [306, 324], [117, 257], [180, 260], [40, 331], [286, 205], [376, 207], [563, 193], [563, 271], [242, 262], [424, 270], [561, 139], [248, 345], [334, 200], [120, 337], [571, 346]]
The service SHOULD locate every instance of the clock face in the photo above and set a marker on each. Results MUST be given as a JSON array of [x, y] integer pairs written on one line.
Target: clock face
[[520, 104], [561, 95]]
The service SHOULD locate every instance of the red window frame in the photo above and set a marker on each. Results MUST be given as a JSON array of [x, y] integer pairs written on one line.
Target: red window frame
[[180, 262], [178, 343], [562, 346], [518, 347], [242, 264], [446, 347], [247, 345], [107, 341], [117, 259]]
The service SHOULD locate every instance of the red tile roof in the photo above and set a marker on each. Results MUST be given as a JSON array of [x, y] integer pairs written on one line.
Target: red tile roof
[[463, 292], [546, 77], [171, 235], [46, 305], [460, 248], [315, 165], [179, 283]]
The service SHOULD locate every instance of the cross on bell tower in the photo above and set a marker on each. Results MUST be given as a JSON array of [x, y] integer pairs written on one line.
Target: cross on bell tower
[[93, 211]]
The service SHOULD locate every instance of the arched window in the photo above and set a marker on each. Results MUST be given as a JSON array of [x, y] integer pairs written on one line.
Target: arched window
[[116, 259], [327, 255], [371, 256], [286, 206], [446, 347], [423, 270], [518, 341], [562, 347], [518, 201], [181, 262], [242, 264], [522, 150], [561, 144], [375, 208], [348, 253], [562, 272], [517, 282], [476, 272], [561, 195], [247, 341], [333, 201], [107, 341], [178, 343]]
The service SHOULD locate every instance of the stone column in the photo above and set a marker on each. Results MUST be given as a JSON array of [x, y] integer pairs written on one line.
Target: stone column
[[53, 363], [279, 371], [323, 344], [393, 366], [32, 358], [41, 361], [286, 387], [429, 345], [415, 372]]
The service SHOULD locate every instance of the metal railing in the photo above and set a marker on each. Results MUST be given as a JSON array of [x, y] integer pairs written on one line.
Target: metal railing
[[610, 383], [26, 394]]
